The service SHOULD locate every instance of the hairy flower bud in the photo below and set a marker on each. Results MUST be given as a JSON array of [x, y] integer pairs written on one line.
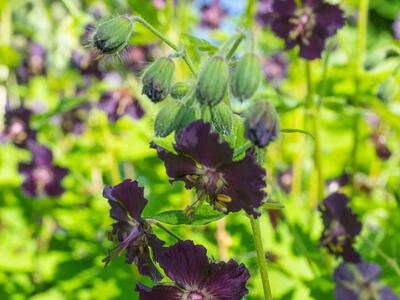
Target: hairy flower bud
[[180, 89], [213, 81], [221, 118], [388, 89], [157, 79], [261, 123], [113, 35], [246, 77]]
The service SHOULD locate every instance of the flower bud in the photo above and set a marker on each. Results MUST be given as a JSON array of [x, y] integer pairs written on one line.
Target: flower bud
[[168, 118], [388, 89], [246, 77], [113, 35], [157, 79], [221, 118], [180, 89], [213, 81], [261, 123]]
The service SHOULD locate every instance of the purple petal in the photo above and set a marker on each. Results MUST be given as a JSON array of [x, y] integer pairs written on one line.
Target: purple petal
[[185, 263], [282, 27], [227, 281], [387, 294], [131, 197], [117, 211], [204, 146], [164, 292], [313, 49], [329, 18], [41, 155], [145, 264], [285, 8]]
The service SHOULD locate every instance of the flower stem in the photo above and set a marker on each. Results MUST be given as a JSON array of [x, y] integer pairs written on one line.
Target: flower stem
[[262, 262], [151, 28], [167, 230], [313, 109]]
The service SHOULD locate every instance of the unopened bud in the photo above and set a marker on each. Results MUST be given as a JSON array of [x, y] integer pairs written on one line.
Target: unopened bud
[[221, 118], [113, 35], [388, 89], [180, 89], [168, 118], [213, 81], [246, 77], [157, 79], [261, 123]]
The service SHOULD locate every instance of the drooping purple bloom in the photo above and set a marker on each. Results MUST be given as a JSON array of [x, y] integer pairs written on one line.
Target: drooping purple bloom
[[360, 281], [308, 26], [119, 103], [205, 163], [132, 232], [33, 64], [340, 227], [74, 120], [275, 68], [212, 14], [41, 176], [196, 277], [17, 128], [265, 14], [396, 28]]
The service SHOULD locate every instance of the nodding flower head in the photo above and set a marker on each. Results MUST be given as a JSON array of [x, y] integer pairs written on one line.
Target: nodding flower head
[[205, 163], [196, 277], [112, 36], [340, 227], [307, 26], [130, 230]]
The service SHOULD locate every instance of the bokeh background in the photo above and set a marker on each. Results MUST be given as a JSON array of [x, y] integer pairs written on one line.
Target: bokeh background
[[52, 247]]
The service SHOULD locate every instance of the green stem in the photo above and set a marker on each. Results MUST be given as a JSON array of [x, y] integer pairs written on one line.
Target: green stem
[[249, 13], [167, 230], [231, 45], [262, 262], [389, 260], [151, 28], [313, 114]]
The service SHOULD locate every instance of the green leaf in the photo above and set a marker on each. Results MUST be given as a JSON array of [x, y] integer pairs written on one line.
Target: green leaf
[[203, 215], [294, 130], [202, 45]]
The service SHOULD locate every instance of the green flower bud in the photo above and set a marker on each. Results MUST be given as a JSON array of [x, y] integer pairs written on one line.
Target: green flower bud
[[388, 89], [221, 117], [180, 89], [246, 77], [168, 118], [261, 123], [213, 81], [113, 35], [157, 79]]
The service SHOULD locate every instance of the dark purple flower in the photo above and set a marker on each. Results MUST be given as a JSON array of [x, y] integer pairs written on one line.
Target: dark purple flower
[[380, 144], [275, 68], [360, 281], [196, 277], [33, 64], [132, 232], [42, 177], [73, 121], [17, 128], [334, 184], [88, 64], [212, 14], [205, 163], [264, 12], [396, 28], [340, 227], [137, 57], [307, 26], [119, 103]]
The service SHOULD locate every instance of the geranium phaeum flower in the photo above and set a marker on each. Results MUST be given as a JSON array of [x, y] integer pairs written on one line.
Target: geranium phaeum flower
[[137, 57], [212, 14], [264, 12], [132, 232], [360, 281], [195, 277], [118, 103], [73, 121], [340, 227], [275, 68], [33, 64], [88, 64], [17, 128], [307, 26], [42, 177], [396, 28], [205, 163]]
